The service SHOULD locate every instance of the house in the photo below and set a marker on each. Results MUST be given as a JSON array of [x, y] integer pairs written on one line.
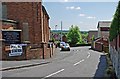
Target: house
[[33, 21], [103, 29], [92, 34], [102, 42]]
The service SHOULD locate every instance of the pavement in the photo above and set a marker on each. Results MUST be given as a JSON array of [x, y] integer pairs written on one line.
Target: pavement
[[8, 65]]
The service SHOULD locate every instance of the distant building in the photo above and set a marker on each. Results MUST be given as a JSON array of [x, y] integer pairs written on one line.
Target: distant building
[[92, 33], [102, 42], [103, 29]]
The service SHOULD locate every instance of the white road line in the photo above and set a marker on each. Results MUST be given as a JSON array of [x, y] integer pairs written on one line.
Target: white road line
[[88, 56], [78, 62], [54, 73]]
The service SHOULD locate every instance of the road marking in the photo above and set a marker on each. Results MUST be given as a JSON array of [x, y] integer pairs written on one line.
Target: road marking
[[88, 55], [78, 62], [54, 73]]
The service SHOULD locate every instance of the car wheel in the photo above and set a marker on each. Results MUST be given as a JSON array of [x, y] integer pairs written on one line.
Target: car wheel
[[69, 49]]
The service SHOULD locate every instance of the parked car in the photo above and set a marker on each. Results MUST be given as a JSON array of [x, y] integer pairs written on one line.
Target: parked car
[[65, 46], [61, 44]]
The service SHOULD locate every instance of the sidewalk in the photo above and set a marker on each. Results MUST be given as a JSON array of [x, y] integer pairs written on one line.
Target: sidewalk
[[8, 65]]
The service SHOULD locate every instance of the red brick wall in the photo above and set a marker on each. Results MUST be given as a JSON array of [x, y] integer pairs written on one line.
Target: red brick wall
[[116, 42], [31, 13], [34, 53], [27, 12], [98, 46], [5, 54]]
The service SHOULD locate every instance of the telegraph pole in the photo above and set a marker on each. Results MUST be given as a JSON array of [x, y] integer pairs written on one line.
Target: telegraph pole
[[55, 27], [61, 31]]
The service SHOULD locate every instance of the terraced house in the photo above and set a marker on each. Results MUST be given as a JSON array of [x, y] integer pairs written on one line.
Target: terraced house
[[33, 21]]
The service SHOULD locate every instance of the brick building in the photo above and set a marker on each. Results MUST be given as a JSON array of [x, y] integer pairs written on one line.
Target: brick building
[[103, 29], [92, 33], [102, 42], [33, 19]]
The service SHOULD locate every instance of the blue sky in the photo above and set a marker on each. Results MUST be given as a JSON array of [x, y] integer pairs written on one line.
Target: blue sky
[[83, 14]]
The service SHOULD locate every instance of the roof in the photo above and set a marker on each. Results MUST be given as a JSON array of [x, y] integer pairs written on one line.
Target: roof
[[44, 10], [93, 31], [104, 24]]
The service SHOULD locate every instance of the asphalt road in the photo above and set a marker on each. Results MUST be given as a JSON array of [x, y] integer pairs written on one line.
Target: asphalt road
[[78, 62]]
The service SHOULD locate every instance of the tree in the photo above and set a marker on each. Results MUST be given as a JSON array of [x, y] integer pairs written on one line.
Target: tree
[[93, 38], [115, 25], [74, 35]]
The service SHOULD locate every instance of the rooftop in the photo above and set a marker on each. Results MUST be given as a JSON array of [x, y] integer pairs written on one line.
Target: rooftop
[[104, 24]]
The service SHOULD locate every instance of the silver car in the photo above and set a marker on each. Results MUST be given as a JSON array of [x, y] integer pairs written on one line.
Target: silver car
[[65, 46]]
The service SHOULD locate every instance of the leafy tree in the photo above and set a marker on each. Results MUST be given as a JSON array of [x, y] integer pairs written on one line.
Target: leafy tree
[[115, 25], [74, 35], [93, 38]]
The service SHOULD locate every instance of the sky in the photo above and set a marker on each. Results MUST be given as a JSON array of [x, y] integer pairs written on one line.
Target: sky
[[85, 15]]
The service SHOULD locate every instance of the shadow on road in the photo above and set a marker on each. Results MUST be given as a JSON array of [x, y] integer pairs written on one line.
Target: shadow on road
[[100, 72]]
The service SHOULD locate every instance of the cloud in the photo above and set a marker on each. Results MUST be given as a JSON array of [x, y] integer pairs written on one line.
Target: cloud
[[65, 0], [81, 14], [73, 8], [91, 17], [78, 8], [70, 8]]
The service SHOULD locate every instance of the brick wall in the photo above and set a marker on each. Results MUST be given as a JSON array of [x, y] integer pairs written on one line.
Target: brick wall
[[98, 46], [115, 54], [27, 12], [34, 53], [34, 16], [5, 54]]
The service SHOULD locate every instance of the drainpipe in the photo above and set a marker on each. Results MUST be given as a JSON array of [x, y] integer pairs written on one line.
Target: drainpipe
[[43, 50]]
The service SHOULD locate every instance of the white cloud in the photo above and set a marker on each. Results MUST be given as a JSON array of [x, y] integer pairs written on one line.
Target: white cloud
[[73, 8], [65, 0], [91, 17], [81, 14], [78, 8]]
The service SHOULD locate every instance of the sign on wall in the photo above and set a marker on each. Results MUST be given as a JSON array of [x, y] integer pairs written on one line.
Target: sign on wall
[[16, 50], [11, 37]]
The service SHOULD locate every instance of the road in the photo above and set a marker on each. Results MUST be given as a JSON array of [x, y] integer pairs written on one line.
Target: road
[[78, 62]]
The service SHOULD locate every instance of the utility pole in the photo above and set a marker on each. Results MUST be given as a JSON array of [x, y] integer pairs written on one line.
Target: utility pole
[[55, 27], [61, 31]]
